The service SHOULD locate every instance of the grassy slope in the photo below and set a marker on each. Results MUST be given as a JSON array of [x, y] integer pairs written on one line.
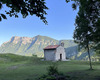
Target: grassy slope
[[13, 67]]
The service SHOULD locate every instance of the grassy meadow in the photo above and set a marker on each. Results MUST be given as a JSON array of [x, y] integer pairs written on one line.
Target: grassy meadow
[[15, 67]]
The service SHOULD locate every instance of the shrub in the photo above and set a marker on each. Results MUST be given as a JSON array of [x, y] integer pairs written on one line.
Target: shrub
[[53, 74], [52, 70]]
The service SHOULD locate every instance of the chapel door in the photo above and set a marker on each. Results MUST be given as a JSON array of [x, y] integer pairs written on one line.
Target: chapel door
[[60, 56]]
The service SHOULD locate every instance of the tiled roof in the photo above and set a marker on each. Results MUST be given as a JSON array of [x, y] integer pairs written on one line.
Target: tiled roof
[[51, 47]]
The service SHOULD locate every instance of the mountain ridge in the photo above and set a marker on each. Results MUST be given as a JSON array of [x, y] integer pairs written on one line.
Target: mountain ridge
[[29, 46]]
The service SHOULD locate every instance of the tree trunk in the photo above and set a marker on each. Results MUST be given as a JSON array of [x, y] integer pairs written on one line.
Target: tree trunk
[[89, 56]]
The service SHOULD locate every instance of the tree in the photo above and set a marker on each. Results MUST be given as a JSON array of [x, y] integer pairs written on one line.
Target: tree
[[25, 7], [91, 10], [82, 33], [87, 22]]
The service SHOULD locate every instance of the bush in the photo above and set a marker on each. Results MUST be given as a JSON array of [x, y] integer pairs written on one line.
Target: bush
[[52, 70], [53, 74], [54, 77]]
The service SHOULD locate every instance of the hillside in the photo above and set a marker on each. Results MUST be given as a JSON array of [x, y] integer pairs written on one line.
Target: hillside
[[34, 46], [16, 67], [29, 46], [76, 54]]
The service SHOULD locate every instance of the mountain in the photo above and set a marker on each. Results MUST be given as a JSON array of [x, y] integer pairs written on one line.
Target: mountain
[[76, 54], [34, 46], [27, 45]]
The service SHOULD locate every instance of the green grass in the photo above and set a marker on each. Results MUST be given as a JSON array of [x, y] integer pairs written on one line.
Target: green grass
[[14, 67]]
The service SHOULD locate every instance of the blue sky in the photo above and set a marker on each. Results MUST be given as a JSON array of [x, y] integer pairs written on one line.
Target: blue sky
[[61, 19]]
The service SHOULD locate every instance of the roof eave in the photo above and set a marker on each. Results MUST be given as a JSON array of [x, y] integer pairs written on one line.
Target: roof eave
[[50, 49]]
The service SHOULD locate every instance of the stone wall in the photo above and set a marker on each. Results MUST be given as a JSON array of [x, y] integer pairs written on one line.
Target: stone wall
[[60, 50], [49, 55]]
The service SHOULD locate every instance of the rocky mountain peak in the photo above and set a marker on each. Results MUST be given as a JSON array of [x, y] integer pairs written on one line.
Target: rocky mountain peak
[[26, 40], [16, 39]]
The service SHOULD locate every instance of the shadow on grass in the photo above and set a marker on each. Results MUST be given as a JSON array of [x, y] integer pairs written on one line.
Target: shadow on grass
[[85, 74]]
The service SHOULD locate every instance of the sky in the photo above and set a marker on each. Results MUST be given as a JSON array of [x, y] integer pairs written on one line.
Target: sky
[[61, 19]]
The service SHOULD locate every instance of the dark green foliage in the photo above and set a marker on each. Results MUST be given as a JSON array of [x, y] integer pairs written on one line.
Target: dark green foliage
[[0, 18], [83, 28], [56, 77], [53, 74], [25, 7], [87, 24], [0, 5], [52, 70], [3, 16]]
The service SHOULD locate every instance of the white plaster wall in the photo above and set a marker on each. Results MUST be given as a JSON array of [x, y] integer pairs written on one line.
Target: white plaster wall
[[49, 54], [60, 50]]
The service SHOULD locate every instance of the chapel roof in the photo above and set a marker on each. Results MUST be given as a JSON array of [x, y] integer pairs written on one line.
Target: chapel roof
[[51, 46]]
